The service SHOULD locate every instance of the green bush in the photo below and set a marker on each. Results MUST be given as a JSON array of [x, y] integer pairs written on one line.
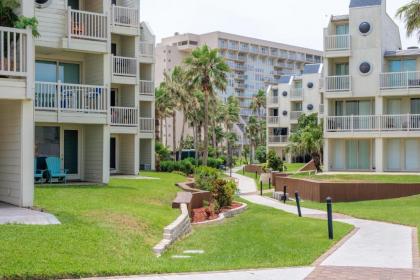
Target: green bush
[[179, 173], [223, 192], [184, 166], [215, 162], [274, 162], [163, 152], [205, 177], [261, 154]]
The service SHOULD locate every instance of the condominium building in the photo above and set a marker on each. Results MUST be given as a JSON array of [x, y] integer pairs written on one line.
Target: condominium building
[[371, 92], [84, 93], [286, 102], [255, 65]]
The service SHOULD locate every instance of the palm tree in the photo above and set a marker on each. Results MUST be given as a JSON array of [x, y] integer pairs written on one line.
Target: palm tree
[[207, 70], [258, 102], [162, 107], [174, 85], [410, 14], [253, 133]]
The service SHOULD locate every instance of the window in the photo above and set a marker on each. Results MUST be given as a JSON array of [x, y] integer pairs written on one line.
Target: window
[[74, 4], [342, 29], [47, 141], [52, 71], [114, 49], [402, 65], [341, 69], [42, 3], [46, 71]]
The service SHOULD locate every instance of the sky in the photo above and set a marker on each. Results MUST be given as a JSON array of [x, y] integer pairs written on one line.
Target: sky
[[295, 22]]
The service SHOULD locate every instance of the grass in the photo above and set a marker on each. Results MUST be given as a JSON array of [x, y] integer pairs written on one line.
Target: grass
[[391, 178], [294, 167], [110, 230]]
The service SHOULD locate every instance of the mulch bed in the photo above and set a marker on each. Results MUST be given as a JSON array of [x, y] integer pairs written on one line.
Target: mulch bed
[[201, 215]]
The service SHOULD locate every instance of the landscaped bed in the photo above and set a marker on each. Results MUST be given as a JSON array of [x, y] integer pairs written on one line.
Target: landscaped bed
[[111, 230], [371, 178]]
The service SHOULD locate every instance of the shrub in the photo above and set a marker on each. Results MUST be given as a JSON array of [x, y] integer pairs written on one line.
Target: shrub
[[163, 152], [215, 162], [184, 166], [261, 154], [223, 192], [179, 173], [274, 162], [205, 177]]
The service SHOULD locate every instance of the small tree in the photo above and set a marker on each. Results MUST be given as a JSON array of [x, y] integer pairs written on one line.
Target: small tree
[[261, 154], [274, 161]]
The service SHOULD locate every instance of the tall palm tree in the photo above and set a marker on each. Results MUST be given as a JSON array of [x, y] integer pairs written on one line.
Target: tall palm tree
[[258, 102], [162, 108], [253, 133], [410, 14], [174, 85], [207, 70]]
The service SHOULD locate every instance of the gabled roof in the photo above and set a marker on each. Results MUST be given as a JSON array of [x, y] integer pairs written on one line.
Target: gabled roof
[[364, 3], [312, 68], [285, 79]]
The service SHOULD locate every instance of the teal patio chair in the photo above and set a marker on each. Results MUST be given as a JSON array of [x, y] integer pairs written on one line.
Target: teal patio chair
[[38, 174], [54, 170]]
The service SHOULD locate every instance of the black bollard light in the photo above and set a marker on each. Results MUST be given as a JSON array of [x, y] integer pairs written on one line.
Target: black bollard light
[[243, 170], [261, 188], [298, 203], [330, 218], [256, 174], [284, 194], [269, 183]]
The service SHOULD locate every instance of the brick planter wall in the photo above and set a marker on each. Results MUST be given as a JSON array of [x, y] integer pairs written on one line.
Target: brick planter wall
[[253, 168], [343, 191]]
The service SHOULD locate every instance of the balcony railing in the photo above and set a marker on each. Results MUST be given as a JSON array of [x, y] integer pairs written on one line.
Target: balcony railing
[[338, 83], [295, 115], [321, 109], [125, 16], [273, 120], [296, 93], [337, 42], [400, 80], [124, 66], [276, 139], [87, 25], [147, 125], [70, 97], [147, 87], [367, 123], [14, 51], [124, 116], [273, 100], [147, 49]]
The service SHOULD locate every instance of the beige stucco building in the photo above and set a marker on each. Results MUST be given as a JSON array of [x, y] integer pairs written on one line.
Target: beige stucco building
[[82, 92], [372, 93], [255, 65], [292, 97]]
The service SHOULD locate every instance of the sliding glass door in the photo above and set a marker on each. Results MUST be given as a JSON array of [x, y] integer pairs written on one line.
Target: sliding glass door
[[358, 154]]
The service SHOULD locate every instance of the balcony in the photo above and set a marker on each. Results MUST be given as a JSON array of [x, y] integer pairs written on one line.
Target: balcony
[[337, 42], [273, 120], [240, 86], [295, 115], [124, 70], [68, 101], [278, 139], [373, 123], [400, 80], [124, 16], [147, 125], [296, 93], [13, 51], [147, 87], [147, 49], [273, 100], [124, 116], [87, 25], [338, 84]]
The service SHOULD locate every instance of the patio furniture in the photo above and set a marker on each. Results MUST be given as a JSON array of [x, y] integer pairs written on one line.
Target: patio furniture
[[54, 169], [38, 174]]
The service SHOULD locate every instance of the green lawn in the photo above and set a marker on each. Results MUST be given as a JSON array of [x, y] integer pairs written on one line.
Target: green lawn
[[111, 231], [392, 178], [293, 167]]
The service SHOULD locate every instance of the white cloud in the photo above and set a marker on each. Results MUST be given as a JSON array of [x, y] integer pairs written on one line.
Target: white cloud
[[298, 22]]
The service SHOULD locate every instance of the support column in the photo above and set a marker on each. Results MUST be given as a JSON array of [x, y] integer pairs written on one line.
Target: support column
[[379, 151], [27, 153], [326, 155]]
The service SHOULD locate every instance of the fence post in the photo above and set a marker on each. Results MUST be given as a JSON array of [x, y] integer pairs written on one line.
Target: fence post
[[284, 194], [330, 218], [298, 203], [261, 188], [269, 182]]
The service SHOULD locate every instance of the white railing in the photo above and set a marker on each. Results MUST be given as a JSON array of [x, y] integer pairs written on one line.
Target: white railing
[[274, 139], [338, 83], [124, 66], [87, 25], [273, 100], [337, 42], [321, 109], [147, 124], [147, 49], [146, 87], [70, 97], [125, 16], [14, 51], [296, 93], [124, 116], [273, 120], [400, 80], [295, 115], [382, 123]]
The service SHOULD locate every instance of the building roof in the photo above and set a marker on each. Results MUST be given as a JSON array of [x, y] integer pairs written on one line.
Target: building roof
[[285, 79], [312, 69], [409, 52], [364, 3]]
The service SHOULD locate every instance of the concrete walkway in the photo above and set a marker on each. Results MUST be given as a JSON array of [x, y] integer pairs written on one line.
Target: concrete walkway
[[10, 214]]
